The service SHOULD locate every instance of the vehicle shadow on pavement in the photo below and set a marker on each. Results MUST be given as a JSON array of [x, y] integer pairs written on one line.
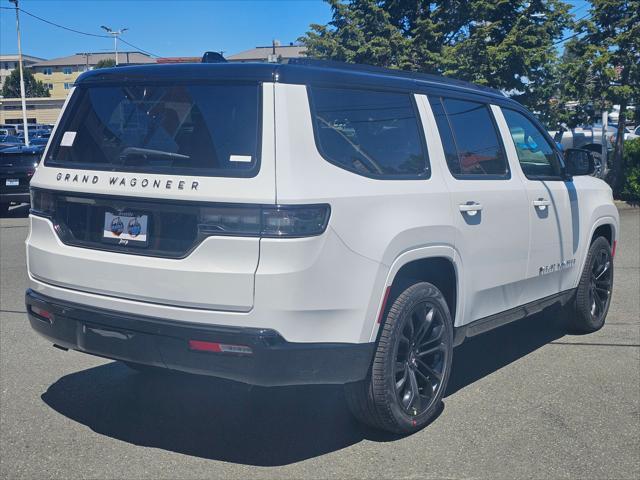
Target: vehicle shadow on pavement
[[480, 356], [228, 421], [208, 417]]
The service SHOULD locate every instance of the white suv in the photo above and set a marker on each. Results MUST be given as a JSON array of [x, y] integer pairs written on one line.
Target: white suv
[[308, 223]]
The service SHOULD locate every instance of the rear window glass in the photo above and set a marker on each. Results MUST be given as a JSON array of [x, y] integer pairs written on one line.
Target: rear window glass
[[375, 134], [190, 129], [470, 139]]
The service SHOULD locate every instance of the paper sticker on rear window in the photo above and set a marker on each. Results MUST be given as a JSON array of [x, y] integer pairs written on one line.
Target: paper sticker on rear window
[[68, 139], [240, 158]]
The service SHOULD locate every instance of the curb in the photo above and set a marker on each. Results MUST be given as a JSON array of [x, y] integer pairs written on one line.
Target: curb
[[622, 205]]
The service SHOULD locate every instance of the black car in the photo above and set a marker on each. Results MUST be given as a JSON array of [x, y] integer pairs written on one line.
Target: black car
[[17, 166]]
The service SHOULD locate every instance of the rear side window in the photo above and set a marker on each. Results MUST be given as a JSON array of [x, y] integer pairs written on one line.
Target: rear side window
[[190, 129], [470, 139], [371, 133]]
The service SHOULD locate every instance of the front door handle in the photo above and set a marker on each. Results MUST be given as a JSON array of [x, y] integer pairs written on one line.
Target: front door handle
[[541, 204], [470, 208]]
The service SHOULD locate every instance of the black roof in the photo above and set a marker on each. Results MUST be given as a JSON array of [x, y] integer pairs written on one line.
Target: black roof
[[300, 71]]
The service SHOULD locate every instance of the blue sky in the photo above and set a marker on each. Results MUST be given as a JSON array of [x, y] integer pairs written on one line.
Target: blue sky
[[165, 27]]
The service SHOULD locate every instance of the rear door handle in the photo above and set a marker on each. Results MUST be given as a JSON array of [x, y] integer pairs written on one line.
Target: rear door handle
[[541, 203], [470, 208]]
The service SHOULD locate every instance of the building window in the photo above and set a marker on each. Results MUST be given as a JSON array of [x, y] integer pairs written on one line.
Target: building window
[[67, 86], [67, 70], [18, 107], [47, 71], [49, 86]]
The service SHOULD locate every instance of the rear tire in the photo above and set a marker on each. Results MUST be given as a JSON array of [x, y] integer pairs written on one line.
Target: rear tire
[[589, 309], [403, 391]]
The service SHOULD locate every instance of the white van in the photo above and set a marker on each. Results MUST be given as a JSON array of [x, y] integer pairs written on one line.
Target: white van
[[308, 223]]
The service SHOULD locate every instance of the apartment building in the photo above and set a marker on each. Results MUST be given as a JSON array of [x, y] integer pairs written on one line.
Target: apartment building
[[9, 62], [59, 74]]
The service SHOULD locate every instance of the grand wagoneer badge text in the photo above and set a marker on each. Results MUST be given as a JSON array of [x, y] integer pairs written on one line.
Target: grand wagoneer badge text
[[122, 181]]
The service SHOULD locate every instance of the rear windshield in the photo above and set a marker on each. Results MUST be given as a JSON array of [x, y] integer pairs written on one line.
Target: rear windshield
[[190, 129]]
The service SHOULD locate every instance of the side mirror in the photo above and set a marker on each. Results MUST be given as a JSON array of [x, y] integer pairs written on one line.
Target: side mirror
[[579, 161]]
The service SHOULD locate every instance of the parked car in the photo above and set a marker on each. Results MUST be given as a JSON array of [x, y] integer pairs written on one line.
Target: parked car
[[39, 133], [10, 129], [17, 166], [628, 134], [308, 223], [588, 138], [7, 141]]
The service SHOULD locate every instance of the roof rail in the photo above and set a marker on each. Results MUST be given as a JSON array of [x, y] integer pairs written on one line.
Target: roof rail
[[427, 77]]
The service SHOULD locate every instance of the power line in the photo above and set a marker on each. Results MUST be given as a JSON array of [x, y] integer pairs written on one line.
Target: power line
[[56, 24], [140, 49], [572, 35], [78, 31]]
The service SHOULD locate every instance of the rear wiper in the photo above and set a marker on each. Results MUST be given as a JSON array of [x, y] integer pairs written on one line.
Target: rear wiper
[[150, 152]]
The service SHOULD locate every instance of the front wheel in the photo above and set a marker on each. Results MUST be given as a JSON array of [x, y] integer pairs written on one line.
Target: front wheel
[[589, 309], [403, 390]]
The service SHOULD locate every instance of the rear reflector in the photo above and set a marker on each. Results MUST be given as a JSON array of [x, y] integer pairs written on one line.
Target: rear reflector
[[41, 312], [202, 346], [384, 304]]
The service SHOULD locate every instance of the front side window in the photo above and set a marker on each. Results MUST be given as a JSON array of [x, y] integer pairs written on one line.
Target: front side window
[[537, 157], [192, 129], [470, 139], [371, 133]]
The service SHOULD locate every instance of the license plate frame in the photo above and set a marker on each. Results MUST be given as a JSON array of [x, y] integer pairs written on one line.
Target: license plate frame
[[126, 228]]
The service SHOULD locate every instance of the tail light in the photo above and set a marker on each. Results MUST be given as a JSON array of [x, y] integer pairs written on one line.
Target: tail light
[[264, 221], [43, 203], [275, 221]]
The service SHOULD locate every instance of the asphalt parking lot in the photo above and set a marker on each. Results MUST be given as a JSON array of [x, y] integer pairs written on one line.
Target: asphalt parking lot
[[525, 401]]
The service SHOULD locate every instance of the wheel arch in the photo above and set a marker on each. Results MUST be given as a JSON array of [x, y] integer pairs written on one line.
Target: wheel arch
[[606, 226], [437, 265], [605, 230]]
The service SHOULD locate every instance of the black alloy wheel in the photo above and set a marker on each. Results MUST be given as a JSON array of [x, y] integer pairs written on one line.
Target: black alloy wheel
[[601, 282], [421, 357], [588, 311], [403, 390]]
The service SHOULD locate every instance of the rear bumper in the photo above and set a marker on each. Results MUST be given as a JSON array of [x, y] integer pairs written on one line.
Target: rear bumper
[[164, 343], [15, 197]]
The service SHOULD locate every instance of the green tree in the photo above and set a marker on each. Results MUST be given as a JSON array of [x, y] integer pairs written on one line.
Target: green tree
[[106, 63], [603, 66], [32, 87], [506, 45]]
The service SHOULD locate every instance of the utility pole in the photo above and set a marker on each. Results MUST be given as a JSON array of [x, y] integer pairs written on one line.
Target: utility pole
[[115, 34], [22, 92]]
